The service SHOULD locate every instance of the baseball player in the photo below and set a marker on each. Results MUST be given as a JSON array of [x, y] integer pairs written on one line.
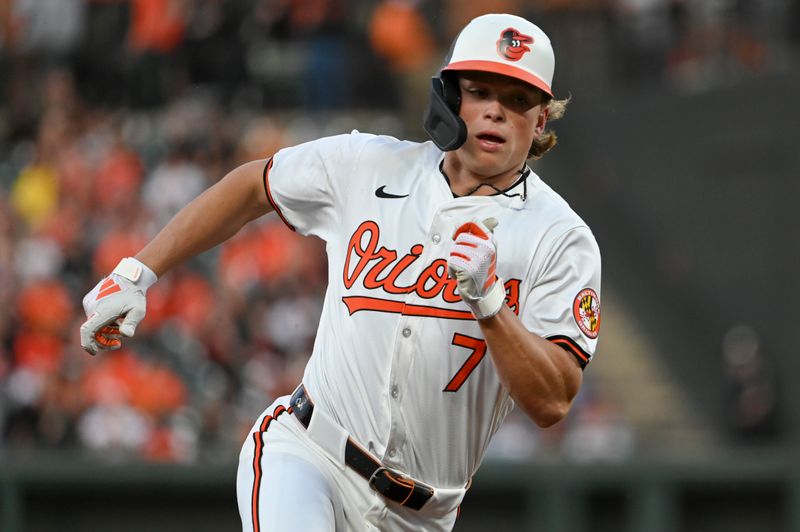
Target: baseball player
[[460, 286]]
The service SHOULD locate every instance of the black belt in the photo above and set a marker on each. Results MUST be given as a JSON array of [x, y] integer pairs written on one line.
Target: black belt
[[391, 484]]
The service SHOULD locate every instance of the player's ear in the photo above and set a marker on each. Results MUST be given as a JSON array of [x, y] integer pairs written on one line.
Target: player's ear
[[541, 120]]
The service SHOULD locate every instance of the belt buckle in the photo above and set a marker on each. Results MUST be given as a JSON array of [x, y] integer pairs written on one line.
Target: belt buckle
[[411, 494], [374, 477]]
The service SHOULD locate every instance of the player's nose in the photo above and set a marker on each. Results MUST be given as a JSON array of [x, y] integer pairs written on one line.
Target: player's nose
[[494, 110]]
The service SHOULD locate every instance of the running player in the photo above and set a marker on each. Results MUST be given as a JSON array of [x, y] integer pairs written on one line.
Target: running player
[[460, 286]]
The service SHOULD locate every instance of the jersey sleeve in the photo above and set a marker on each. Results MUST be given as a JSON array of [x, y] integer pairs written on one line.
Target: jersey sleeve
[[306, 184], [564, 303]]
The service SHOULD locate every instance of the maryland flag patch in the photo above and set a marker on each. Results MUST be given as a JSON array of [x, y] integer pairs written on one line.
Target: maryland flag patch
[[586, 311]]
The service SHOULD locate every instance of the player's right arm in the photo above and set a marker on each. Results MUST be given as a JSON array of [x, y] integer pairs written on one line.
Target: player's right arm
[[116, 305], [210, 219]]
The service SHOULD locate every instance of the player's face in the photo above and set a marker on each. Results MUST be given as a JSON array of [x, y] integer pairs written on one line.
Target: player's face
[[503, 116]]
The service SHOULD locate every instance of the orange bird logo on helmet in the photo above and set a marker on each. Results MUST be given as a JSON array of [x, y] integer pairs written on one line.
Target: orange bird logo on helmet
[[512, 44]]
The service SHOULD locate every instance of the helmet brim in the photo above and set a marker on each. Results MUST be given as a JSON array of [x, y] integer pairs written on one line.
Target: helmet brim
[[503, 69]]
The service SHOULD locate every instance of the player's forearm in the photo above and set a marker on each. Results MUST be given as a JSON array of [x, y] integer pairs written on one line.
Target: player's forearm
[[541, 377], [211, 218]]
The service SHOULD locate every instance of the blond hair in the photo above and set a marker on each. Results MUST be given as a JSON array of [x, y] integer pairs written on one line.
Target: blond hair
[[547, 140]]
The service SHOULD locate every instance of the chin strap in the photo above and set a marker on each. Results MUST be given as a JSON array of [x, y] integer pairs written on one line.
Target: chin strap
[[524, 173]]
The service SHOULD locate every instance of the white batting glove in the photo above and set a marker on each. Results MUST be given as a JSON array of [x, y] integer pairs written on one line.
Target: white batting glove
[[472, 263], [115, 306]]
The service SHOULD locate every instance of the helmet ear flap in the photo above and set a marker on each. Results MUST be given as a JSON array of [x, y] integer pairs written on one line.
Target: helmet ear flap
[[442, 123], [451, 92]]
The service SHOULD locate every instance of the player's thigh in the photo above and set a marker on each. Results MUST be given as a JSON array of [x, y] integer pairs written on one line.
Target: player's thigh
[[287, 494]]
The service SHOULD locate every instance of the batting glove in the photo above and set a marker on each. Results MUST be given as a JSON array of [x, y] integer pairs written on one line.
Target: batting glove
[[115, 306], [472, 263]]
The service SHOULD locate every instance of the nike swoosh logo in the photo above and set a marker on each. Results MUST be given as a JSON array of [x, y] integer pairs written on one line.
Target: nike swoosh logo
[[381, 193]]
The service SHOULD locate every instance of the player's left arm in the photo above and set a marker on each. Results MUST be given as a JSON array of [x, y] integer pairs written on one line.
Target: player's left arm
[[541, 377]]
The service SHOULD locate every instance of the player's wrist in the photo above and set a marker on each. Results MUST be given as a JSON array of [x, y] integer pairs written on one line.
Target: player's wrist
[[490, 304], [136, 272]]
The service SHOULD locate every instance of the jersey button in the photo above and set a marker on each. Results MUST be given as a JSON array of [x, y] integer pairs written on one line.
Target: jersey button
[[406, 332], [392, 452], [436, 238], [395, 391]]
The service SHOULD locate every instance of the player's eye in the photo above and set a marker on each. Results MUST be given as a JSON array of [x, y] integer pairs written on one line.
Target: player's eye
[[520, 101]]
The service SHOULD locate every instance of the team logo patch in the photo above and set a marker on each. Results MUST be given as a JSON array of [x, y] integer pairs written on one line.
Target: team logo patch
[[586, 311], [512, 44]]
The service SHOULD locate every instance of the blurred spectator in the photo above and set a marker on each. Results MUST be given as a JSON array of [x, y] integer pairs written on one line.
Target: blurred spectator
[[459, 12], [34, 195], [307, 40], [48, 28], [214, 49], [115, 244], [156, 35], [752, 396], [172, 184], [402, 37], [716, 42], [39, 35], [516, 439], [598, 433], [103, 57], [642, 36]]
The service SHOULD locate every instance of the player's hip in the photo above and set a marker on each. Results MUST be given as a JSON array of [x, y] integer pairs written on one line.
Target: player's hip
[[283, 432]]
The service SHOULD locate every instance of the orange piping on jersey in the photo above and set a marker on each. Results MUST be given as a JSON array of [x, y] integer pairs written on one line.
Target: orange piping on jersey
[[571, 346], [259, 442], [269, 196], [258, 438]]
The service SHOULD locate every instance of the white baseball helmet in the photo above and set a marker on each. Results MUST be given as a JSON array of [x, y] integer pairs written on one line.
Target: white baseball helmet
[[499, 43]]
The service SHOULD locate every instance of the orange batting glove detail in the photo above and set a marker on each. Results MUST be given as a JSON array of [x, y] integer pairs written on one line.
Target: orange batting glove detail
[[473, 264]]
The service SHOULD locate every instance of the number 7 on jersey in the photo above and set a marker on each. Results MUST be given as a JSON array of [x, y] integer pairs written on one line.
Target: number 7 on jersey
[[478, 348]]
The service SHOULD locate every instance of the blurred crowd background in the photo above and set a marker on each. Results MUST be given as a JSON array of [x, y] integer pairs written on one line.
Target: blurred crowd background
[[114, 114]]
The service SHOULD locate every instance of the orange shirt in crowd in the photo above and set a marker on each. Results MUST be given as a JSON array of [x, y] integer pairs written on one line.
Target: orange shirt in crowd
[[399, 33], [157, 25]]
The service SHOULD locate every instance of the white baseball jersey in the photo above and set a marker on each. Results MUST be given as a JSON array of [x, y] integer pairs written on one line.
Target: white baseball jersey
[[399, 362]]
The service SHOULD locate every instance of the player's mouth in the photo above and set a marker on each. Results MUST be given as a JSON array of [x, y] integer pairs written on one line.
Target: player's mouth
[[490, 140]]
